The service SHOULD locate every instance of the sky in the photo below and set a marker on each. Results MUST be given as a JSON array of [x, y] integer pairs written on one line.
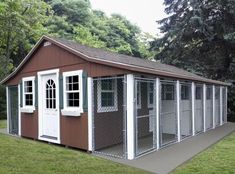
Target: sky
[[143, 13]]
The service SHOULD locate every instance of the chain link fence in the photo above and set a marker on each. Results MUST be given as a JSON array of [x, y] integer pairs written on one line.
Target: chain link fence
[[209, 107], [199, 119], [185, 109], [217, 106], [168, 116], [145, 115], [109, 121]]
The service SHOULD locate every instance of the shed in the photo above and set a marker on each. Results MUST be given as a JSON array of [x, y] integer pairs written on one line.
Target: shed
[[108, 103]]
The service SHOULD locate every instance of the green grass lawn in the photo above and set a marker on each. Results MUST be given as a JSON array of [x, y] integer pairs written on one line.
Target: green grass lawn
[[3, 124], [219, 159], [18, 155]]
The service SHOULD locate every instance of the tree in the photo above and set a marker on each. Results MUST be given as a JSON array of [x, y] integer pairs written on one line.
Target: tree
[[199, 36], [84, 36], [21, 23], [76, 11]]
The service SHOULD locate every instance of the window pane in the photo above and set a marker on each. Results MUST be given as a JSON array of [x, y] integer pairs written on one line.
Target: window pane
[[107, 84], [54, 103], [75, 86], [151, 86], [75, 79], [198, 93], [72, 83], [28, 86], [73, 99], [208, 93], [184, 92], [107, 99], [29, 99]]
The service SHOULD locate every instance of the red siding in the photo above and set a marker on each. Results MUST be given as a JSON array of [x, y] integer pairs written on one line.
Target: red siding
[[74, 130]]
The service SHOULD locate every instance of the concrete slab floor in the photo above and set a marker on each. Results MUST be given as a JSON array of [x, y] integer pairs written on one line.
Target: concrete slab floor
[[167, 159]]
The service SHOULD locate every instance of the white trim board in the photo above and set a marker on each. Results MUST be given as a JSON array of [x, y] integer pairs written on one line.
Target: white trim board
[[19, 113], [90, 112], [8, 114], [40, 74]]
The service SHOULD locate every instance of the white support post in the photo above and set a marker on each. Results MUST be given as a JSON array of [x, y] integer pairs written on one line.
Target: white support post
[[221, 105], [130, 118], [8, 114], [19, 113], [226, 105], [178, 108], [90, 112], [158, 111], [204, 107], [193, 107], [213, 105]]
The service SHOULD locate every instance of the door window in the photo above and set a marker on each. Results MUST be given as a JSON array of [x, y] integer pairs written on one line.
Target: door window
[[50, 94]]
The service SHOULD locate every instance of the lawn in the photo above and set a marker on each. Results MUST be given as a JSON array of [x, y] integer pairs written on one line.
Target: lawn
[[218, 159], [3, 124], [18, 155]]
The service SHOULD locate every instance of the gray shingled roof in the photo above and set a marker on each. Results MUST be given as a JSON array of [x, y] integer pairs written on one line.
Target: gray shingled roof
[[115, 59], [129, 60]]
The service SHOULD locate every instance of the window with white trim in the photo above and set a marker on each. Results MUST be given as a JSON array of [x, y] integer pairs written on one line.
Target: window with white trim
[[73, 93], [150, 94], [107, 95], [28, 93], [138, 95]]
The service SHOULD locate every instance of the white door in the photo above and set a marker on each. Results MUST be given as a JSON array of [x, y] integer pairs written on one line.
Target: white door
[[50, 115]]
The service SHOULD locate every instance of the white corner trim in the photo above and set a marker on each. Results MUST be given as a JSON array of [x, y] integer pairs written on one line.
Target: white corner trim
[[19, 113], [90, 112], [221, 105], [213, 105], [8, 113], [130, 117], [204, 107], [178, 109], [193, 107], [158, 110]]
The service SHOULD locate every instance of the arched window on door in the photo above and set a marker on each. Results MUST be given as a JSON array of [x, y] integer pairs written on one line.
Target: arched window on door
[[50, 94]]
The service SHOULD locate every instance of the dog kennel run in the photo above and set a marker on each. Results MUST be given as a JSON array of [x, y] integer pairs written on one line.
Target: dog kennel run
[[134, 115]]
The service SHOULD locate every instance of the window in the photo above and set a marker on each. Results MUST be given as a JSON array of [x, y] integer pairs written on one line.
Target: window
[[184, 92], [28, 90], [107, 95], [138, 95], [73, 93], [217, 93], [150, 94], [168, 92], [198, 93], [208, 93]]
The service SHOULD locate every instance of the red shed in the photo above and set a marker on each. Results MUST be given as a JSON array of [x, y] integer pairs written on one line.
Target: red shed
[[91, 99]]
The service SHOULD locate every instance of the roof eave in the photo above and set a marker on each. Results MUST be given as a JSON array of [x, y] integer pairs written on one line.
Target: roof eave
[[109, 63]]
